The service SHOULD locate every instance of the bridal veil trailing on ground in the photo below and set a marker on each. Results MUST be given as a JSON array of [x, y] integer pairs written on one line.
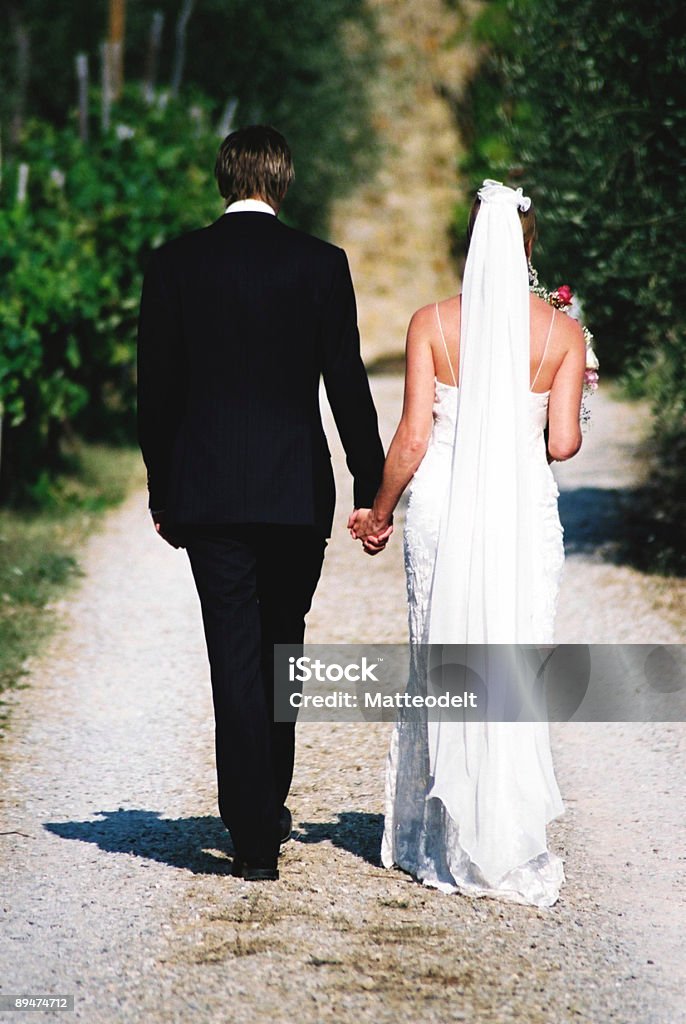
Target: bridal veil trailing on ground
[[468, 802]]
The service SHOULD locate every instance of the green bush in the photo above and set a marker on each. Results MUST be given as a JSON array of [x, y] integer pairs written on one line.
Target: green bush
[[71, 257], [72, 254], [562, 102], [301, 65], [586, 107]]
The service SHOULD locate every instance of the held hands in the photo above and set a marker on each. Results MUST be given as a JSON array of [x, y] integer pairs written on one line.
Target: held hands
[[373, 532]]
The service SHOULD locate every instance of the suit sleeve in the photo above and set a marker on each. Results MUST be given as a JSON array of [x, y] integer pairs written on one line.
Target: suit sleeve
[[347, 388], [162, 379]]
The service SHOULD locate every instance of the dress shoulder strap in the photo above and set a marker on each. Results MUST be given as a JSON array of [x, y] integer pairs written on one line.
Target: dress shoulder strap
[[547, 340], [445, 346]]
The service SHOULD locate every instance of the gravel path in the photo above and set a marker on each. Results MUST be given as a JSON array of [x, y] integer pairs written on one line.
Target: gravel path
[[114, 871]]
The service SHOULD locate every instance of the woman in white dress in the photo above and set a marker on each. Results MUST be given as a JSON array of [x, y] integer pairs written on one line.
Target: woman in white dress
[[467, 803]]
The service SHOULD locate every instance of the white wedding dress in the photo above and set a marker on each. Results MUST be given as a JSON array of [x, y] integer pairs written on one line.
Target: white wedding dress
[[497, 778]]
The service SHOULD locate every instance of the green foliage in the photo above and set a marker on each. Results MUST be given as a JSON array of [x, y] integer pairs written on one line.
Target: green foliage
[[657, 538], [72, 254], [585, 105], [71, 258], [606, 146], [483, 112], [301, 65], [563, 104]]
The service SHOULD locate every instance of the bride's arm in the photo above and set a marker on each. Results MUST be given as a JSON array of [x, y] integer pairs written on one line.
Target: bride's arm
[[410, 441], [564, 431]]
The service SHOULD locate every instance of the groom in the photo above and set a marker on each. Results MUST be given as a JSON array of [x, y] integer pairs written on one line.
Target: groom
[[238, 321]]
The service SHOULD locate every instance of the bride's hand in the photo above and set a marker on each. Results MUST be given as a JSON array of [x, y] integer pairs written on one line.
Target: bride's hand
[[373, 545], [374, 533]]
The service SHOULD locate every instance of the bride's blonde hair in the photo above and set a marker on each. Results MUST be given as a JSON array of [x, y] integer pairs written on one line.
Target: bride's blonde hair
[[527, 220]]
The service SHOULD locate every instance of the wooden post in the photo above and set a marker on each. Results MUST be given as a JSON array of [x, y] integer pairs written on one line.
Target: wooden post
[[180, 51], [116, 41], [82, 76], [154, 43]]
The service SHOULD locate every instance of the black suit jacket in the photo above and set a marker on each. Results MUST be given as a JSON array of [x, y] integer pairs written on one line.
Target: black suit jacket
[[238, 321]]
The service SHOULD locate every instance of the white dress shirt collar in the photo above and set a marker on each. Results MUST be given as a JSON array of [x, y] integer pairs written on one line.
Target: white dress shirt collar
[[250, 206]]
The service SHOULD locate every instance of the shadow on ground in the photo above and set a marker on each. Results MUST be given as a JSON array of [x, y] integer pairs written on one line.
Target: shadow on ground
[[620, 526], [355, 831], [179, 842], [594, 521], [188, 842]]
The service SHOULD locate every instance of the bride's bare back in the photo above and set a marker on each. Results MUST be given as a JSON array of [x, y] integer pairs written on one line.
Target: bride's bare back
[[557, 362]]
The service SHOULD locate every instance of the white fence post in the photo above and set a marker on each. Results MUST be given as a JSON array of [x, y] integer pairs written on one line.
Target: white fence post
[[22, 183], [106, 86], [180, 52], [82, 75], [226, 121], [154, 44]]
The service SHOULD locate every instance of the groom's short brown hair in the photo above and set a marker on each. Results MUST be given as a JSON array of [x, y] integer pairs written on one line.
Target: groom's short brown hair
[[254, 161]]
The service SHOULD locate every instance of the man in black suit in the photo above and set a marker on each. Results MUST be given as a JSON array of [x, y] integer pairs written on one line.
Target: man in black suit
[[238, 321]]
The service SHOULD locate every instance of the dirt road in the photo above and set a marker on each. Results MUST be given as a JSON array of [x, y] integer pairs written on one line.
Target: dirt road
[[114, 882], [114, 863]]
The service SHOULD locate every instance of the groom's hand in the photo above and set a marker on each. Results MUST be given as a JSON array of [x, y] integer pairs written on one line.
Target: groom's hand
[[165, 531]]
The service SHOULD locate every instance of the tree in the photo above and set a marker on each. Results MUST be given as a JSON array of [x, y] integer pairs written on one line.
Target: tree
[[302, 65], [591, 117], [72, 253]]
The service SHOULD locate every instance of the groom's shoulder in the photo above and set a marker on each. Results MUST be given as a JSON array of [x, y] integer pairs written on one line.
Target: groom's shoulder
[[298, 241], [312, 245], [181, 245]]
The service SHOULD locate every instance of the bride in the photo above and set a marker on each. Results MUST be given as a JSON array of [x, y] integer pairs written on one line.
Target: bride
[[487, 371]]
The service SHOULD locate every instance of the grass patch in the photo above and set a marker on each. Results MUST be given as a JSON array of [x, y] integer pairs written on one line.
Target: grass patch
[[40, 548]]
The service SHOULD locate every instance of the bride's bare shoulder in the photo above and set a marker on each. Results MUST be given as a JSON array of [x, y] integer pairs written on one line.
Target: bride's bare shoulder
[[567, 329], [425, 319], [539, 305]]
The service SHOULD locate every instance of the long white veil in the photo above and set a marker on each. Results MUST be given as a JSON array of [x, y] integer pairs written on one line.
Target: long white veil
[[480, 592], [494, 778]]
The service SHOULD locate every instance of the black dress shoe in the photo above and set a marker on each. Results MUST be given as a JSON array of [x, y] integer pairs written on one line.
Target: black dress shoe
[[285, 825], [258, 870]]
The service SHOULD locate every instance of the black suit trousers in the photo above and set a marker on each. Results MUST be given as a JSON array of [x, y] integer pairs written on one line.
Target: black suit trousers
[[255, 583]]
